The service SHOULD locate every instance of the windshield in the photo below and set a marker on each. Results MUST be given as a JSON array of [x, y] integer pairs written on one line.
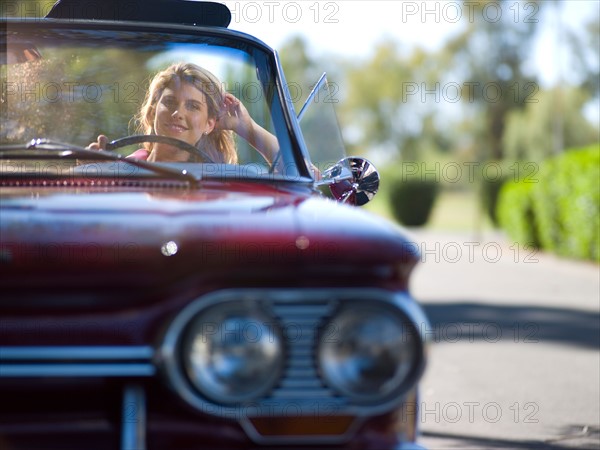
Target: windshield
[[71, 84]]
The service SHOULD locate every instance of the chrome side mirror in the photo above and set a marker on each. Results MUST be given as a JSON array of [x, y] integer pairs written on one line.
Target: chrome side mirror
[[356, 186]]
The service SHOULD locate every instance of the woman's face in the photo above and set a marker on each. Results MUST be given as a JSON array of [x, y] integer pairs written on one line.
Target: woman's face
[[182, 113]]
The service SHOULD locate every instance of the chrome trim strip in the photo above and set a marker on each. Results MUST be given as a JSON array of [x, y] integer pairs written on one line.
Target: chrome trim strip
[[80, 353], [133, 431], [72, 361], [76, 370]]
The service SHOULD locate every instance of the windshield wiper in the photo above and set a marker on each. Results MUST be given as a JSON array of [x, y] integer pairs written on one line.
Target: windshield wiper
[[42, 148]]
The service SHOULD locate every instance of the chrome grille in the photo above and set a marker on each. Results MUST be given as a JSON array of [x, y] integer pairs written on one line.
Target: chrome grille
[[301, 384]]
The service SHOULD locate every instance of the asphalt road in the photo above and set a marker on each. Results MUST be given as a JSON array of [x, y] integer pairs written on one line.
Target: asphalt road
[[514, 360]]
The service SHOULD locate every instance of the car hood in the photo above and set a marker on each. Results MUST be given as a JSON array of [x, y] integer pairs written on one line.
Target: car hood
[[157, 235]]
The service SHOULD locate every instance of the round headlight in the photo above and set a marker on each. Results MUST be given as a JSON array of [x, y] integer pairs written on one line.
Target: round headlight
[[368, 353], [232, 353]]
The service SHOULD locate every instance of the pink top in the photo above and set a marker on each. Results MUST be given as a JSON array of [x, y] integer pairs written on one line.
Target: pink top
[[142, 154]]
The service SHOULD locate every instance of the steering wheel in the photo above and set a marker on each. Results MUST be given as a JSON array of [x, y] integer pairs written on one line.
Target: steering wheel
[[138, 139]]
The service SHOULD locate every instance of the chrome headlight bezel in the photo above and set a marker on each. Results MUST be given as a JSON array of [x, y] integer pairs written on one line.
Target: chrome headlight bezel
[[194, 382], [232, 353], [373, 338]]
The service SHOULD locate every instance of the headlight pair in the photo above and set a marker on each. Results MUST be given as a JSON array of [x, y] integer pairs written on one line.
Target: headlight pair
[[359, 351]]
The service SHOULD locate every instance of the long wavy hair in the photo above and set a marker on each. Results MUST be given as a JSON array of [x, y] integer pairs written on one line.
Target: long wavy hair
[[219, 144]]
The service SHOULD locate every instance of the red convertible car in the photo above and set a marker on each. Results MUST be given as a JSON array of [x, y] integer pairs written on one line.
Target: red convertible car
[[184, 262]]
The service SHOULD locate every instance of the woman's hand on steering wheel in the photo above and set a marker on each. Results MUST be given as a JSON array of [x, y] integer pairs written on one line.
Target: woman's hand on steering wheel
[[103, 144], [100, 144]]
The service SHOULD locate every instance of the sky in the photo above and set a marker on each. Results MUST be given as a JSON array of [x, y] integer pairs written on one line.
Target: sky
[[354, 27]]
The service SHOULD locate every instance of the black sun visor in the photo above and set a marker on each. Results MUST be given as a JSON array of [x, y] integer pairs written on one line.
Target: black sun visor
[[208, 14]]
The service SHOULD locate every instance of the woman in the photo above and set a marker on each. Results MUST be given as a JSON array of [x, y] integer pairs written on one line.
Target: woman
[[187, 102]]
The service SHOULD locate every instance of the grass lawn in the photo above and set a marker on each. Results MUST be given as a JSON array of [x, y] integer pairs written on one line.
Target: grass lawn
[[453, 210]]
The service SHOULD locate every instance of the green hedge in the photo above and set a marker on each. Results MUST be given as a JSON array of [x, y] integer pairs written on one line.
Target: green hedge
[[559, 209], [412, 199], [515, 213]]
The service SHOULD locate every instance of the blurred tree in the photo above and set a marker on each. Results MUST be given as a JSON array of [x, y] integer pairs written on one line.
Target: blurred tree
[[376, 95], [556, 119], [302, 70], [489, 57], [395, 99], [415, 103], [585, 48], [529, 132], [74, 94]]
